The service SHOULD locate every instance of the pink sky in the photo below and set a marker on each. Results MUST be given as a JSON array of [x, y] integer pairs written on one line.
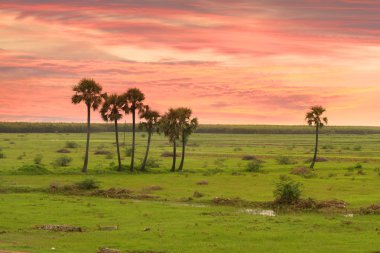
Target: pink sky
[[231, 61]]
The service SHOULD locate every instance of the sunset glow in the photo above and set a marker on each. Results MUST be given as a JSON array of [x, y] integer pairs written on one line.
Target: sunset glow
[[231, 61]]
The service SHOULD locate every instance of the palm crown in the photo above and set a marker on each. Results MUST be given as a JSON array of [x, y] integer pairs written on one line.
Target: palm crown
[[135, 97], [89, 92], [151, 118], [112, 106], [186, 124], [313, 117], [169, 124]]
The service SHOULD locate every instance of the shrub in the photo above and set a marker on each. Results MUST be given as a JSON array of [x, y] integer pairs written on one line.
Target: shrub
[[38, 159], [2, 155], [152, 163], [284, 160], [71, 144], [34, 169], [287, 192], [237, 149], [254, 166], [167, 154], [357, 147], [87, 184], [109, 156], [63, 161]]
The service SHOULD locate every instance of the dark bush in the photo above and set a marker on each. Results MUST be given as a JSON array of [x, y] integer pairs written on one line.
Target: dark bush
[[287, 192], [87, 184], [254, 166], [152, 163], [284, 160], [2, 155], [102, 152], [63, 161], [38, 159], [71, 144], [34, 169], [167, 154]]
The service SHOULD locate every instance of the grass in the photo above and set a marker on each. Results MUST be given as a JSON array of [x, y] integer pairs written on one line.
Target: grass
[[170, 222]]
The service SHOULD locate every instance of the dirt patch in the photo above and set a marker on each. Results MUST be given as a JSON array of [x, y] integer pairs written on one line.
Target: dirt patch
[[63, 151], [108, 228], [372, 209], [59, 228], [102, 152], [300, 171], [203, 182], [152, 188], [249, 158], [238, 202], [319, 159], [332, 204], [108, 250]]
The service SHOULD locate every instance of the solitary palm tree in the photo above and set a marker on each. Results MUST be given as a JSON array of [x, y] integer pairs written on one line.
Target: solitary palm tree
[[170, 127], [111, 111], [187, 126], [89, 92], [135, 98], [150, 125], [313, 117]]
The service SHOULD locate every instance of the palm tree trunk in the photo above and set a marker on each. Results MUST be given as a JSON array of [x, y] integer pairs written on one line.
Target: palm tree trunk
[[117, 146], [174, 156], [147, 151], [316, 147], [183, 154], [133, 140], [88, 139]]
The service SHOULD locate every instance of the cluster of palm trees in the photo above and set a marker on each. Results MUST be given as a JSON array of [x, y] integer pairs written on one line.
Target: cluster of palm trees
[[177, 124]]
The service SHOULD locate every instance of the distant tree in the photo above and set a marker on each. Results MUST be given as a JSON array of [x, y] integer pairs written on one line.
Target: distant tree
[[89, 92], [150, 125], [186, 127], [135, 99], [170, 127], [313, 117], [112, 111]]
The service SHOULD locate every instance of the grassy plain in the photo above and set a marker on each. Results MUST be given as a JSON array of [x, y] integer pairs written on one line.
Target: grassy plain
[[173, 223]]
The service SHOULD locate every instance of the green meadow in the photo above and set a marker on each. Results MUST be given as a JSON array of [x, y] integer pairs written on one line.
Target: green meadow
[[215, 205]]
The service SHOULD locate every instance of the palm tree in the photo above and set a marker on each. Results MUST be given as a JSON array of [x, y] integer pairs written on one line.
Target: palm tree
[[150, 125], [135, 98], [187, 126], [313, 117], [111, 111], [170, 127], [89, 92]]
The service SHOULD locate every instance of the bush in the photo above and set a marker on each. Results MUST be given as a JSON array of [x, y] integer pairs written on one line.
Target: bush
[[63, 161], [357, 148], [87, 184], [71, 144], [287, 192], [34, 169], [167, 154], [152, 163], [128, 152], [38, 159], [254, 166], [2, 155], [102, 152], [284, 160]]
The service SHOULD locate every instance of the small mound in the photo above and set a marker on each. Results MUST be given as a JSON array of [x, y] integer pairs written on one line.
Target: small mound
[[249, 158], [63, 151], [167, 154], [108, 250], [152, 188], [300, 171], [319, 159], [372, 209], [102, 152], [34, 169], [335, 203], [203, 182], [59, 228]]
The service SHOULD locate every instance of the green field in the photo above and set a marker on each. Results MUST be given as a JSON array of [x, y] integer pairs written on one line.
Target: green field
[[162, 213]]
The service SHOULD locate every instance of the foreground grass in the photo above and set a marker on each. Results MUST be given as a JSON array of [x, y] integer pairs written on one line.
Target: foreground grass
[[169, 227]]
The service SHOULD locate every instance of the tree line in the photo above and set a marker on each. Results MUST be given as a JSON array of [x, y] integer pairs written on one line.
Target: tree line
[[177, 123]]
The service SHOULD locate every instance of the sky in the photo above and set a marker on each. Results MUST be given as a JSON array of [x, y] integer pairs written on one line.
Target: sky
[[231, 61]]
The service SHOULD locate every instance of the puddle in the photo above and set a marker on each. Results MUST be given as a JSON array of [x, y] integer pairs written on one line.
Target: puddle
[[269, 213]]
